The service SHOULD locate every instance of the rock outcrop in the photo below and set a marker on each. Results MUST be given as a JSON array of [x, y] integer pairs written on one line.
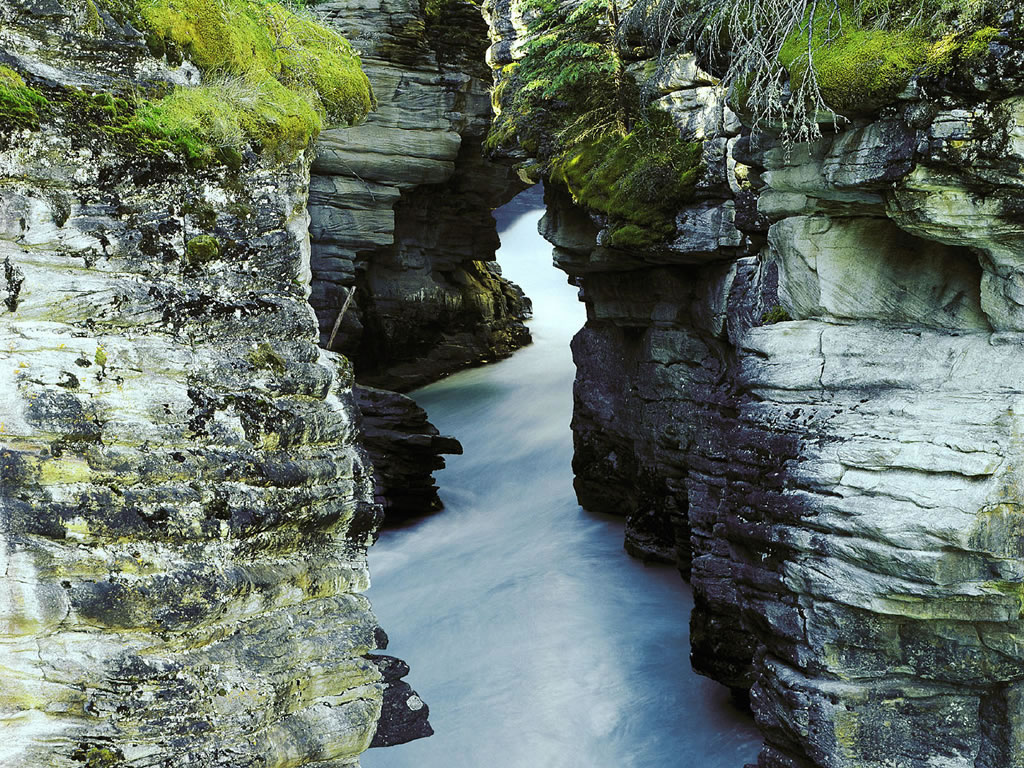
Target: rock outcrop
[[401, 205], [184, 504], [405, 450], [810, 399]]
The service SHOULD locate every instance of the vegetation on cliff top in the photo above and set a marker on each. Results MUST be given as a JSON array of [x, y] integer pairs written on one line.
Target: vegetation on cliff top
[[794, 63], [639, 178], [272, 76], [571, 104]]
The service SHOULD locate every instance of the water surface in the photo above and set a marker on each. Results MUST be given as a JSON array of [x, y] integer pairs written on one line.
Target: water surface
[[536, 641]]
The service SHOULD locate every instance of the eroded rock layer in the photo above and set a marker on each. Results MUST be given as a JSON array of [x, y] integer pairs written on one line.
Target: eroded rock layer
[[405, 450], [184, 505], [401, 205], [810, 399]]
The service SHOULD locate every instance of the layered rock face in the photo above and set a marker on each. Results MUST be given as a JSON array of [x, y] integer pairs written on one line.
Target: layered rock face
[[401, 204], [810, 402], [184, 505], [405, 450]]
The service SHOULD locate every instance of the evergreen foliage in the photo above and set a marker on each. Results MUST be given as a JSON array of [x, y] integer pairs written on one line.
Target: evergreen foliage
[[796, 63], [570, 103]]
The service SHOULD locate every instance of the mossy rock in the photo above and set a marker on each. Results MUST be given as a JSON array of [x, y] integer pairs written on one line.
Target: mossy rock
[[776, 314], [21, 106], [202, 250], [862, 67], [639, 179], [264, 356], [274, 78]]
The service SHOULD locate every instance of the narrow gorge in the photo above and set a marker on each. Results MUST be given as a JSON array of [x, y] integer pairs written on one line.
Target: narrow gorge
[[236, 235]]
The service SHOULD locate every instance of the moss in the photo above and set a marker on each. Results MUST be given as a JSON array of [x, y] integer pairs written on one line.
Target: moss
[[634, 236], [264, 356], [776, 314], [101, 357], [20, 105], [93, 23], [1010, 589], [68, 469], [202, 249], [98, 757], [846, 727], [977, 44], [272, 77], [861, 67], [639, 180]]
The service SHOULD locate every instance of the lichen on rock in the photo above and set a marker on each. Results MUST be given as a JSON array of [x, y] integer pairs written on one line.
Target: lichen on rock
[[185, 506], [810, 402]]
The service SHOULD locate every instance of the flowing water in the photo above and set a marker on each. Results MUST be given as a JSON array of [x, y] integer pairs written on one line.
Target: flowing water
[[536, 641]]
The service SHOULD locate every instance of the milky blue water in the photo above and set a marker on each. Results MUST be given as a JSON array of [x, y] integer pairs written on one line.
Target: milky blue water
[[536, 641]]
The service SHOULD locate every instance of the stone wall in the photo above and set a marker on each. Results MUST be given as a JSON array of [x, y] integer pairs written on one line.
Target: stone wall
[[401, 205], [810, 399], [184, 504]]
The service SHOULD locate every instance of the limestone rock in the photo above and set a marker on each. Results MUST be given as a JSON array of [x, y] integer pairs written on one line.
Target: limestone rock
[[405, 450], [401, 204], [185, 507], [822, 427]]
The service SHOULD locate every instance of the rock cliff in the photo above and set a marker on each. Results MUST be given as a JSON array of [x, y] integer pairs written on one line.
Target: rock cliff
[[401, 205], [403, 241], [808, 398], [184, 504]]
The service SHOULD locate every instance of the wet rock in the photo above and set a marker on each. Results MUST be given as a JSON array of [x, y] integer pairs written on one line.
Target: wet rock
[[185, 506], [403, 717], [821, 428], [405, 450]]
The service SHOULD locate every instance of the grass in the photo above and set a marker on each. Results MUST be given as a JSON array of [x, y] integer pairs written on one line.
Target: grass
[[274, 77]]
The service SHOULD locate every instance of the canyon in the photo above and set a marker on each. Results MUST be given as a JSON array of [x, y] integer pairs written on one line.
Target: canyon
[[805, 399]]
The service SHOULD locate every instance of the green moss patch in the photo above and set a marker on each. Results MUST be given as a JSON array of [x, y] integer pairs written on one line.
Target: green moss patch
[[20, 105], [273, 77], [861, 65], [861, 69], [639, 180], [202, 249], [776, 314], [264, 356]]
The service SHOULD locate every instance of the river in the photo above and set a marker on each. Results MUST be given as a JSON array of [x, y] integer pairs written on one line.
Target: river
[[536, 641]]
